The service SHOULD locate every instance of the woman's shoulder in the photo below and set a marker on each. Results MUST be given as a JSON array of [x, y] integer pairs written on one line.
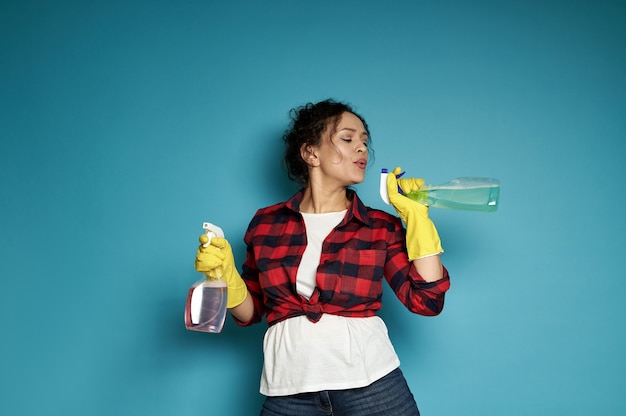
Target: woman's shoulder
[[377, 212], [270, 208], [271, 214], [376, 218], [381, 215], [292, 204]]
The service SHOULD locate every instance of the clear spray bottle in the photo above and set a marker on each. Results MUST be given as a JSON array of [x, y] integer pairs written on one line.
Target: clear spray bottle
[[468, 194], [205, 309]]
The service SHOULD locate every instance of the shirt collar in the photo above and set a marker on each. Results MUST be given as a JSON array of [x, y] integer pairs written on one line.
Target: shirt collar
[[356, 210]]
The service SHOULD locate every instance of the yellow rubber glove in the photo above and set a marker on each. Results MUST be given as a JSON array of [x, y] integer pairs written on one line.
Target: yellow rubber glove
[[422, 238], [216, 261]]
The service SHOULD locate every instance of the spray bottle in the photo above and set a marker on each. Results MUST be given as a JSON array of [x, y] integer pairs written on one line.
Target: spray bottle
[[205, 309], [468, 194]]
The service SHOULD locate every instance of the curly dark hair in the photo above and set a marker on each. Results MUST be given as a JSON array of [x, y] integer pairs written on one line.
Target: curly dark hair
[[308, 124]]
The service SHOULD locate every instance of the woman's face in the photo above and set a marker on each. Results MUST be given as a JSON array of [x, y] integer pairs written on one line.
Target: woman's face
[[342, 154]]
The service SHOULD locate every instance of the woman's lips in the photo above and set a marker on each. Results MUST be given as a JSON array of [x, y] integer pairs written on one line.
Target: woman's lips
[[362, 163]]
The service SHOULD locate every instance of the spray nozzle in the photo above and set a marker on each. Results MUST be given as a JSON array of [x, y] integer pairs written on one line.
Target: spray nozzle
[[383, 185], [212, 230]]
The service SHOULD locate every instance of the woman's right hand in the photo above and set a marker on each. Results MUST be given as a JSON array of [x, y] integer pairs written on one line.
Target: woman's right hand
[[208, 257], [216, 260]]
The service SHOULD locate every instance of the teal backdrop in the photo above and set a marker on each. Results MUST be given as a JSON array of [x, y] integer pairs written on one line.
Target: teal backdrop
[[126, 124]]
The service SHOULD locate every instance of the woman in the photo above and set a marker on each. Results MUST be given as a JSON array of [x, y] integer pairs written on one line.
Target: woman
[[315, 266]]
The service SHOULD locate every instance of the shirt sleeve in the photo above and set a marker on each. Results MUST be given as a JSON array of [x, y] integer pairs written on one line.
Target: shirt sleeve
[[250, 275], [419, 296]]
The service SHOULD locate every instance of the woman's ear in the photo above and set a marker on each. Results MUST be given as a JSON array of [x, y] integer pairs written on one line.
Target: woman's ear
[[309, 155]]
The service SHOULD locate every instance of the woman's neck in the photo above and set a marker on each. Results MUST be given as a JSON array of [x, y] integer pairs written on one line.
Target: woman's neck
[[318, 200]]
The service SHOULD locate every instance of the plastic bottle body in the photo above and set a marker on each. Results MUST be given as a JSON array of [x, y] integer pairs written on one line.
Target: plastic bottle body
[[468, 194], [205, 308]]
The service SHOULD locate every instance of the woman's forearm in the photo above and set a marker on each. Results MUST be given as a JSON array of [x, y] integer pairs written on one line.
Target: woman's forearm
[[244, 311], [430, 268]]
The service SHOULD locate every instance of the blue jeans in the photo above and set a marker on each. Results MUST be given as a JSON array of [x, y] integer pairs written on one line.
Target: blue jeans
[[389, 396]]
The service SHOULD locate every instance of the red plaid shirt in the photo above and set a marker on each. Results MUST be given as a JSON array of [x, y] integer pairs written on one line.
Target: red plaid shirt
[[367, 245]]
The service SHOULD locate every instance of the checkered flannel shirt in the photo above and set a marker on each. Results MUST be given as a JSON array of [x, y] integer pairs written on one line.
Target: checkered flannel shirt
[[367, 245]]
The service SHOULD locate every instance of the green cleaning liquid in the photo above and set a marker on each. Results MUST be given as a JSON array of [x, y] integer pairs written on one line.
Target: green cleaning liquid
[[467, 194]]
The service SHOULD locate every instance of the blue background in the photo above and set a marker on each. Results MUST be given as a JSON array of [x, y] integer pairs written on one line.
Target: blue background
[[125, 125]]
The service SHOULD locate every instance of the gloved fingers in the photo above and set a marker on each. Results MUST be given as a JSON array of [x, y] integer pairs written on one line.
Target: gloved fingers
[[409, 185], [392, 183], [208, 257], [220, 243], [401, 203], [211, 250], [395, 197], [223, 245], [208, 261], [217, 242]]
